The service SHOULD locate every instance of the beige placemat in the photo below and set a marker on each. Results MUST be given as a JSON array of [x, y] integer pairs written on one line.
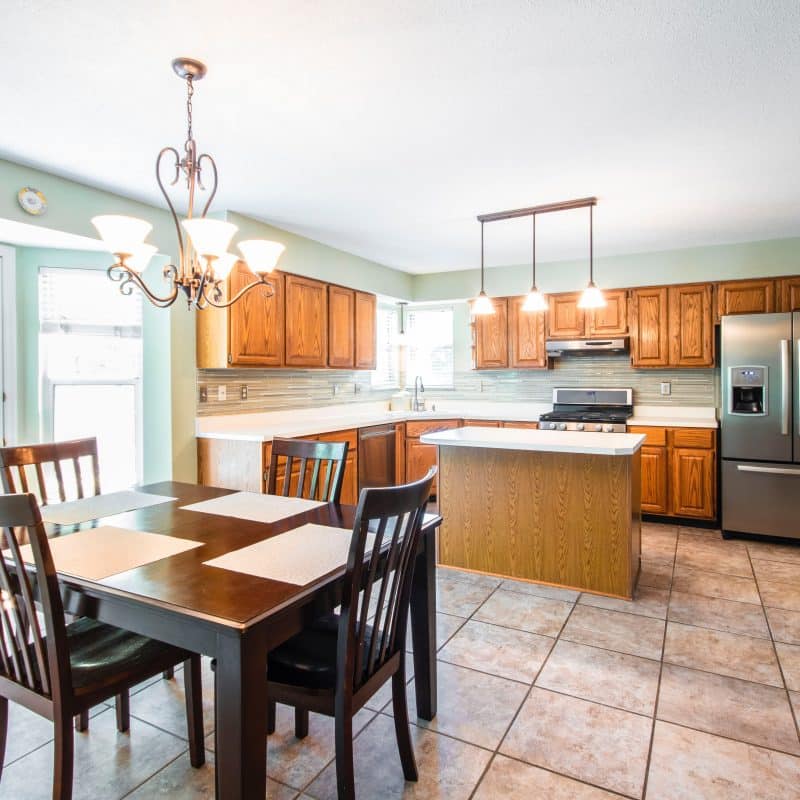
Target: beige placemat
[[100, 552], [104, 505], [254, 506], [299, 556]]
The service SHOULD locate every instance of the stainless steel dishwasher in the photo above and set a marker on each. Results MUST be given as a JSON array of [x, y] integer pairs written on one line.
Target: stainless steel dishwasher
[[376, 456]]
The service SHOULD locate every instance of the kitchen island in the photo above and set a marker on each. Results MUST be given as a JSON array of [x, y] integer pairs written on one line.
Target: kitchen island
[[550, 506]]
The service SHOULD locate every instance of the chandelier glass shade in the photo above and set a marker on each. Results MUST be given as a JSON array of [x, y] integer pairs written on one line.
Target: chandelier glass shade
[[204, 262]]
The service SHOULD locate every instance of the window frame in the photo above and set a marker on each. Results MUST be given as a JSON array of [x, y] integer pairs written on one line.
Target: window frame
[[416, 308]]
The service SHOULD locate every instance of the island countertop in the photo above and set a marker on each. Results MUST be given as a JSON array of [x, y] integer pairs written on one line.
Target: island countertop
[[603, 444]]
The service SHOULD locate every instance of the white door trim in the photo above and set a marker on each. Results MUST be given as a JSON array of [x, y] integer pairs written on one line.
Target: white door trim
[[8, 356]]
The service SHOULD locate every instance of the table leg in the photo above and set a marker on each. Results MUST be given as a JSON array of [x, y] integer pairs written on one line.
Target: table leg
[[241, 717], [423, 627]]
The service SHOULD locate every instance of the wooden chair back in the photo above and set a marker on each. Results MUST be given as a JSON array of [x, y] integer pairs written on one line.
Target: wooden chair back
[[31, 660], [389, 521], [318, 468], [35, 467]]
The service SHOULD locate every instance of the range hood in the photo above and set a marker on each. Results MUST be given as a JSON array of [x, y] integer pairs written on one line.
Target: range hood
[[585, 347]]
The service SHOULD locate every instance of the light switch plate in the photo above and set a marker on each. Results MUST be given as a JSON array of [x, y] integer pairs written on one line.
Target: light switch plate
[[203, 394], [243, 392], [222, 392], [666, 388]]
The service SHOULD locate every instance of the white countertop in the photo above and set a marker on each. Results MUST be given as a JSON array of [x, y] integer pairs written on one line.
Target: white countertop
[[291, 423], [605, 444]]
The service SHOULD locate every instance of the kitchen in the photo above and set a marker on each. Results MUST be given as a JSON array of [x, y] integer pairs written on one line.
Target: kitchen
[[569, 429]]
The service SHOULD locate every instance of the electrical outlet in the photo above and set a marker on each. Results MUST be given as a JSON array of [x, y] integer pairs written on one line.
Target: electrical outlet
[[243, 392], [666, 388], [203, 394], [222, 392]]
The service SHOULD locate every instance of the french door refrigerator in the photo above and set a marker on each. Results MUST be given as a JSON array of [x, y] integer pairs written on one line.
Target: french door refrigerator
[[760, 424]]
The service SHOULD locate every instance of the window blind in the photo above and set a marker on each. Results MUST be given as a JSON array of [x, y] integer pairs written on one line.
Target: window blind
[[430, 345]]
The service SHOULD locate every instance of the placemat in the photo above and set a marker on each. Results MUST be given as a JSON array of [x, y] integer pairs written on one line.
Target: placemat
[[254, 506], [103, 505]]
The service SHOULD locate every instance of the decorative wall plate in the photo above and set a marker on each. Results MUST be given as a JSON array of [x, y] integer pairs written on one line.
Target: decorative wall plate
[[32, 201]]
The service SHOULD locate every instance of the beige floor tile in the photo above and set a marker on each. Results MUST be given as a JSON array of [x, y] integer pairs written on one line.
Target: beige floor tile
[[614, 679], [384, 695], [26, 732], [655, 573], [780, 595], [785, 625], [715, 584], [541, 590], [789, 655], [446, 626], [721, 615], [603, 746], [508, 653], [795, 699], [714, 558], [475, 578], [777, 571], [775, 552], [473, 706], [507, 779], [724, 653], [658, 550], [708, 536], [108, 764], [613, 630], [749, 712], [690, 765], [448, 769], [458, 597], [647, 601], [525, 611], [664, 530]]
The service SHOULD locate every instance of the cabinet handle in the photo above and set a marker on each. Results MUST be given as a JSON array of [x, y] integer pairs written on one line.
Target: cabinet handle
[[785, 387], [769, 470]]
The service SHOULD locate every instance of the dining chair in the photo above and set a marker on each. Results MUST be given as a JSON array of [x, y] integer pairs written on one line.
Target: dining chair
[[318, 468], [335, 665], [66, 669]]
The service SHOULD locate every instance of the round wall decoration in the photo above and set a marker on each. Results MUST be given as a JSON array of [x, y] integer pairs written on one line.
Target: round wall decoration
[[32, 201]]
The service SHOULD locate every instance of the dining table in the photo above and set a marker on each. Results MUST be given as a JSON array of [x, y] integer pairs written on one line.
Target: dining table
[[237, 618]]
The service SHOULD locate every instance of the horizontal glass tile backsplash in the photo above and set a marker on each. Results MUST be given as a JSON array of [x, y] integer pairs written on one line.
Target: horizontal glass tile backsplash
[[269, 390]]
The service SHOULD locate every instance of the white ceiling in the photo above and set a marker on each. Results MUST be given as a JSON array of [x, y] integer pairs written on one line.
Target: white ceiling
[[383, 128], [19, 233]]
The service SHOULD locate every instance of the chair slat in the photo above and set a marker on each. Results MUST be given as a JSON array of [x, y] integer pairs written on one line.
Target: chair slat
[[76, 464], [309, 454]]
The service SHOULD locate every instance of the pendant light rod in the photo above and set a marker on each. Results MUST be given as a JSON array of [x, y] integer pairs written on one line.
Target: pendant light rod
[[591, 246], [482, 292], [533, 253], [563, 205]]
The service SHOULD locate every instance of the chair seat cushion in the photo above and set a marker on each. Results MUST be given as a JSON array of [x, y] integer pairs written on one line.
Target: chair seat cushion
[[102, 655]]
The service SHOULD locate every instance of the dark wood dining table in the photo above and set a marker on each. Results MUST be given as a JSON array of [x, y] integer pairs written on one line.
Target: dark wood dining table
[[237, 618]]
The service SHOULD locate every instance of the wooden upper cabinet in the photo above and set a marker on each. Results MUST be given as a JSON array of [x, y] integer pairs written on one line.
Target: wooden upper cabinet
[[612, 319], [525, 336], [366, 330], [691, 326], [789, 294], [649, 324], [491, 337], [565, 320], [341, 326], [746, 297], [306, 322]]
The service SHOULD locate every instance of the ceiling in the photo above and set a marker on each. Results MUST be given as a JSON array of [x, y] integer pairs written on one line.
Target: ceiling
[[383, 128]]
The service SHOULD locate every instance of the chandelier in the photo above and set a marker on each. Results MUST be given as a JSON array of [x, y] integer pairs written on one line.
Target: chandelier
[[203, 258]]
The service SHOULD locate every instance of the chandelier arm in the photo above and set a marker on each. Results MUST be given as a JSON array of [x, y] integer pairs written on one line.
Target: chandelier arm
[[175, 220], [215, 175], [239, 294], [128, 279]]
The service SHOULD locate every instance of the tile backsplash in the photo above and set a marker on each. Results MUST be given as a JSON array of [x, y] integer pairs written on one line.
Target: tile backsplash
[[270, 390]]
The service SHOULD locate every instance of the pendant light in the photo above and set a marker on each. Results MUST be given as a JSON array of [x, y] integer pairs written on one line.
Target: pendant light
[[535, 300], [482, 304], [402, 337], [591, 297]]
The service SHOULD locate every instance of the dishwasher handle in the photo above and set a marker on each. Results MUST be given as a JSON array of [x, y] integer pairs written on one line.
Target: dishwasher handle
[[375, 434]]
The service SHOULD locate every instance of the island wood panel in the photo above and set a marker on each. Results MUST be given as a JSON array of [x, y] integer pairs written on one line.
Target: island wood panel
[[612, 319], [746, 297], [491, 337], [231, 464], [306, 322], [366, 330], [691, 326], [649, 324], [341, 328], [564, 319], [566, 519], [526, 339], [789, 294]]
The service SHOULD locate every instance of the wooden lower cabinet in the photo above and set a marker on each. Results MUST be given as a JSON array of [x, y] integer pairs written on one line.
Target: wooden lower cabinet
[[350, 483], [693, 481], [420, 457], [654, 480]]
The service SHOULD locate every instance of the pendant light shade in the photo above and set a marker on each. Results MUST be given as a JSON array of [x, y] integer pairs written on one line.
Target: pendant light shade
[[482, 304], [591, 297], [535, 300]]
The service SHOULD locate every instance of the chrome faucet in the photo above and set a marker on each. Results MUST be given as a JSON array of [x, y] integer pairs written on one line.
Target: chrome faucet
[[419, 387]]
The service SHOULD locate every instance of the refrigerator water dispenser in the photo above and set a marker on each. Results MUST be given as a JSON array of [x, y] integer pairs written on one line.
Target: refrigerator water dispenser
[[748, 391]]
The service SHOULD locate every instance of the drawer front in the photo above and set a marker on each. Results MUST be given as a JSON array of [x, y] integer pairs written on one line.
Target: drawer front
[[528, 425], [693, 437], [349, 436], [482, 423], [416, 429], [656, 437]]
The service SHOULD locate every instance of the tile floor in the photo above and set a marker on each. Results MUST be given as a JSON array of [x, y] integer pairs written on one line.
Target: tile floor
[[687, 692]]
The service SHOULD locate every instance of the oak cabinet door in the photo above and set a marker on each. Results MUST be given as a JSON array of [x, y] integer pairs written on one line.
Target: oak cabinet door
[[419, 459], [649, 318], [525, 336], [482, 423], [341, 326], [789, 294], [256, 321], [366, 331], [565, 320], [612, 319], [746, 297], [306, 322], [349, 494], [691, 326], [491, 337], [693, 482], [654, 480]]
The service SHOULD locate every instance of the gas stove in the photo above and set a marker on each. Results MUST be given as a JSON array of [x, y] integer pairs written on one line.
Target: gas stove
[[589, 410]]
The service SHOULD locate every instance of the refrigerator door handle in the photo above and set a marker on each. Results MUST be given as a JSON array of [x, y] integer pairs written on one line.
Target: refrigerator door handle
[[785, 386], [768, 470]]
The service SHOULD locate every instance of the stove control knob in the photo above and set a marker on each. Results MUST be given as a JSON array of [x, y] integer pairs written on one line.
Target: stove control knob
[[579, 426], [562, 426], [552, 426], [608, 428], [598, 428]]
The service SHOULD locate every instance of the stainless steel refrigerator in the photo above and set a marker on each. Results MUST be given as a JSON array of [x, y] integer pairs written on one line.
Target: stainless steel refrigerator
[[760, 424]]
